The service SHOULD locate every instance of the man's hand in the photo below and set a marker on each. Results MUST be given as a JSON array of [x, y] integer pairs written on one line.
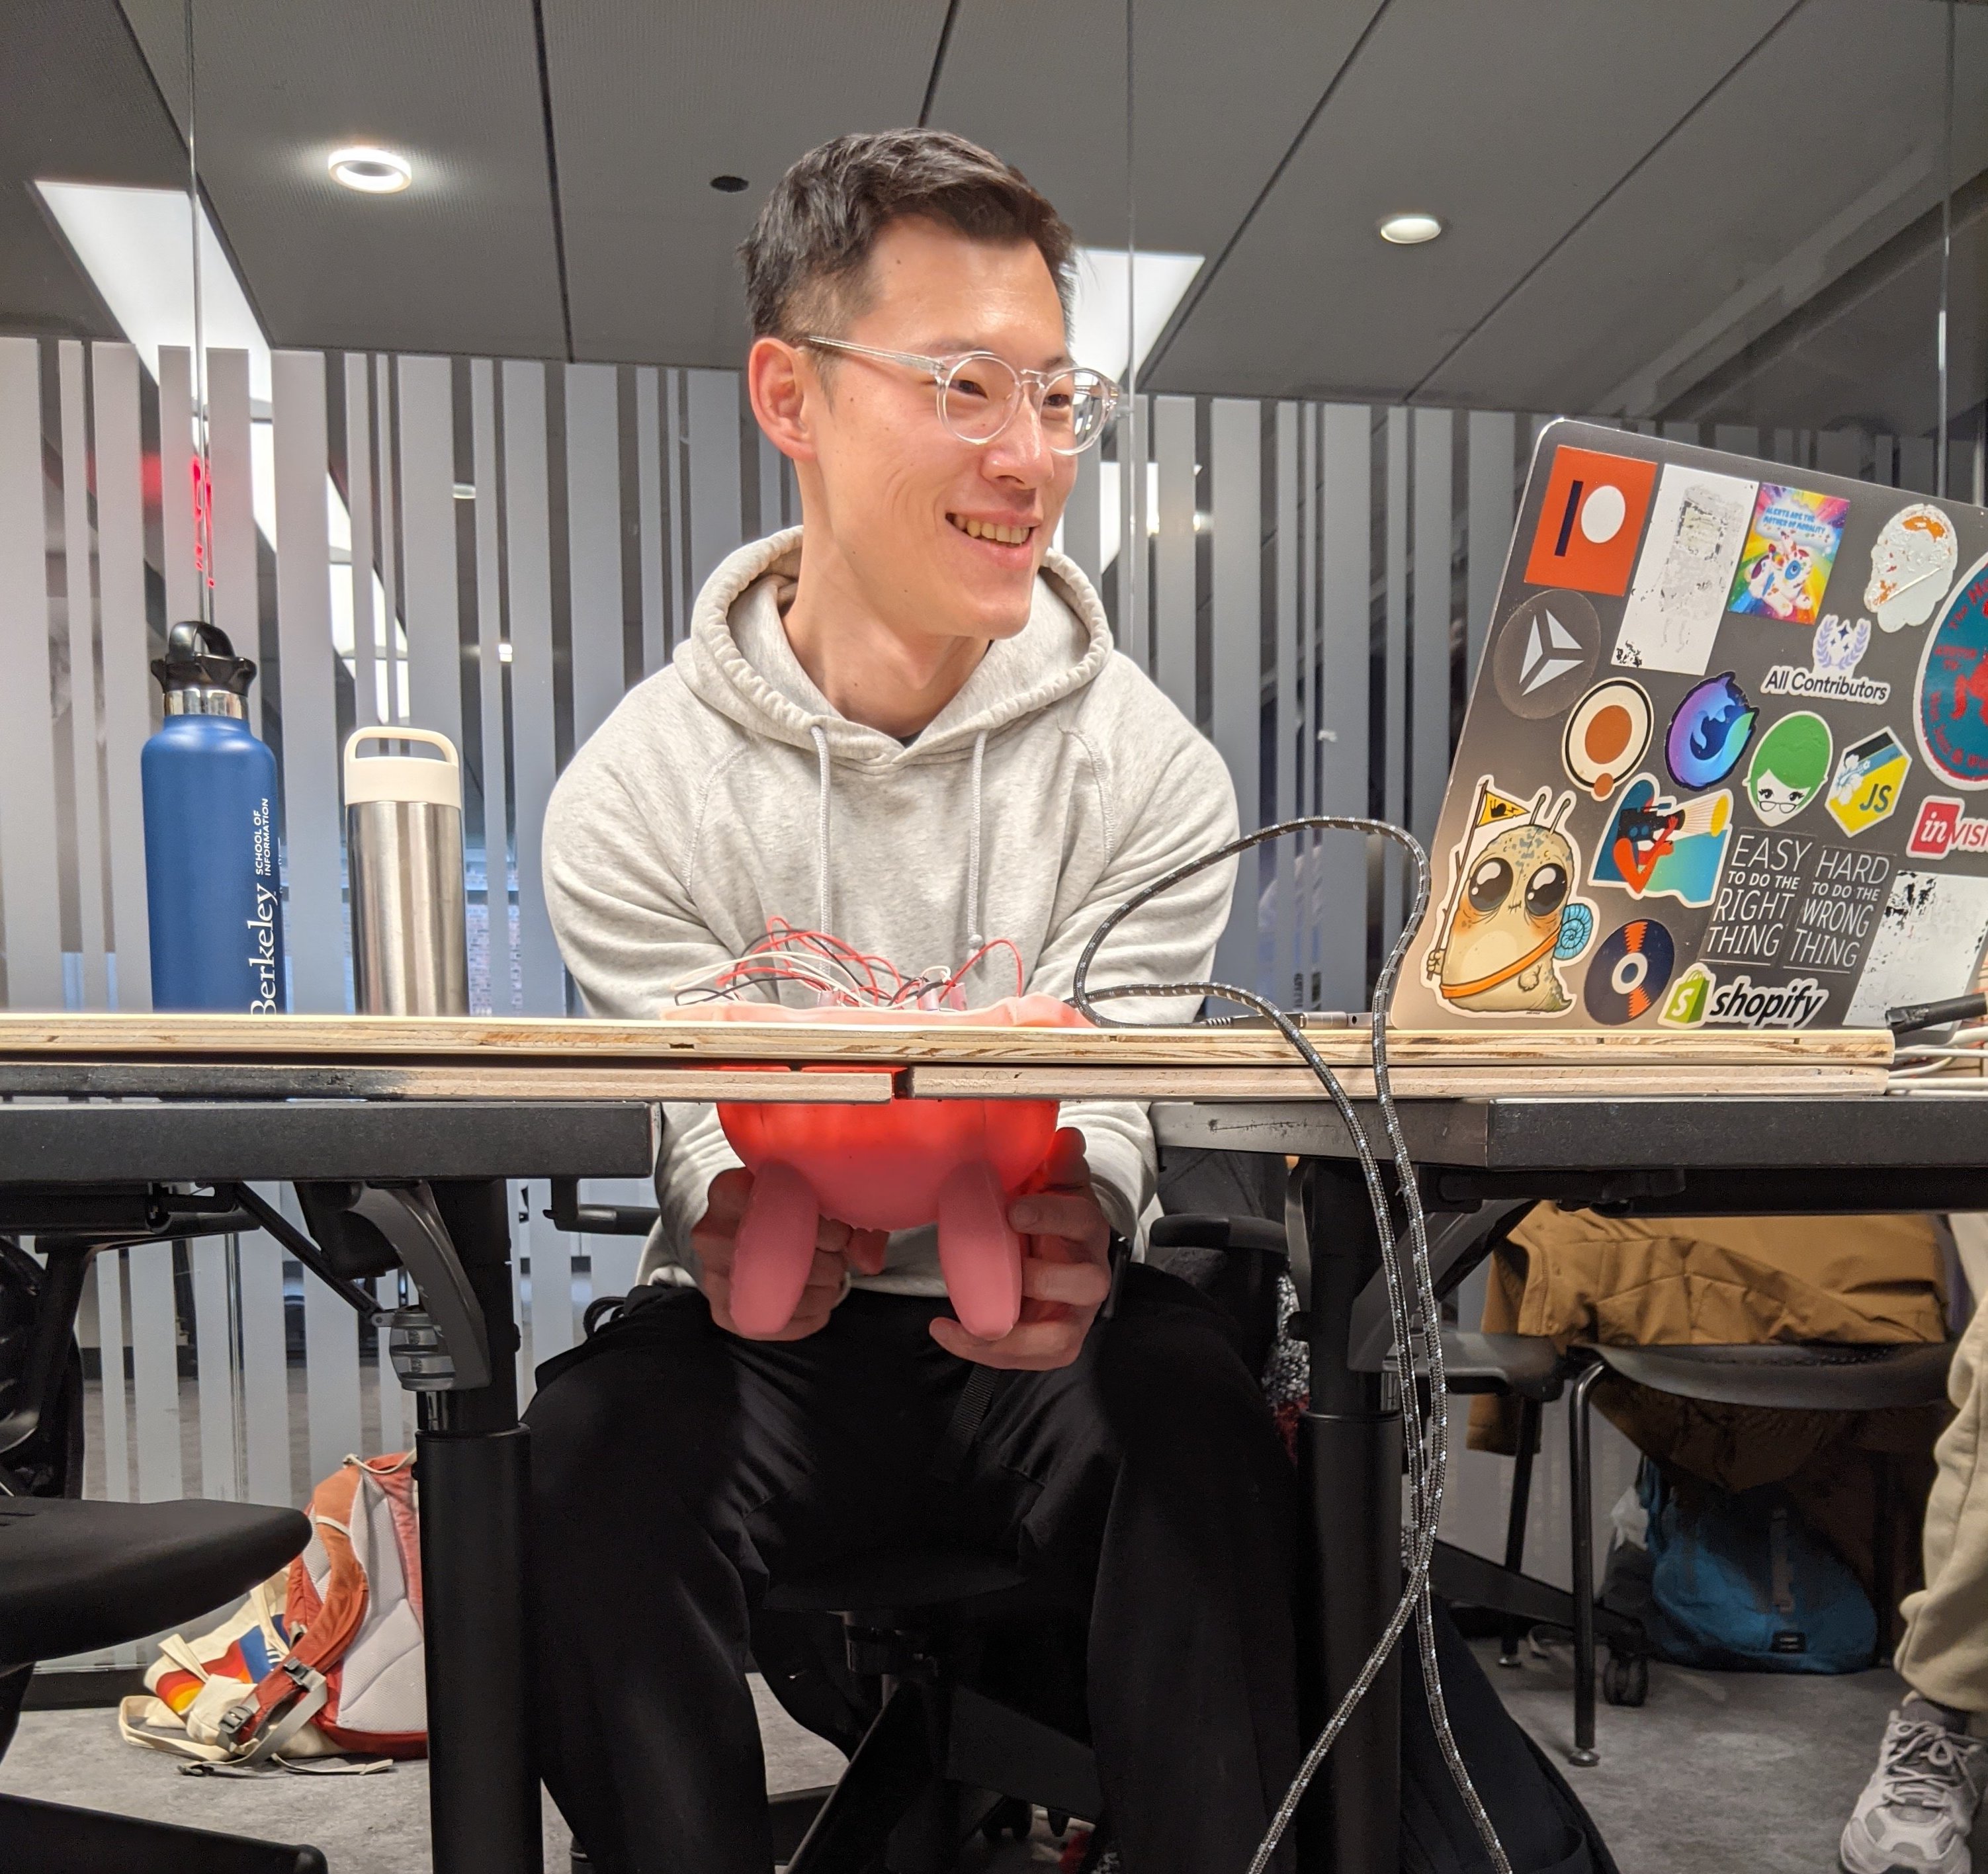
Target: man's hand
[[839, 1252], [1065, 1270]]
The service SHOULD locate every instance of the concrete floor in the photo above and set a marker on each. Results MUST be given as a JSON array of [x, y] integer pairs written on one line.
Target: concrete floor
[[1718, 1774]]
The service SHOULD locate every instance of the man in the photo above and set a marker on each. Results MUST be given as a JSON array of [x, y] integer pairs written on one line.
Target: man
[[904, 725]]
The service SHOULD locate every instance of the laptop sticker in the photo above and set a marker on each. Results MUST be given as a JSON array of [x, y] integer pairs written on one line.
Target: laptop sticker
[[1836, 650], [1545, 654], [1945, 825], [1868, 780], [1927, 945], [1590, 519], [1912, 565], [1698, 997], [1630, 970], [1790, 548], [1698, 523], [1709, 733], [1797, 902], [1510, 919], [1953, 715], [1606, 734], [1790, 768], [1657, 847]]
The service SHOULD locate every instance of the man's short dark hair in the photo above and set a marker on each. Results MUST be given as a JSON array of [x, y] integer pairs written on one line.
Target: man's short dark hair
[[806, 257]]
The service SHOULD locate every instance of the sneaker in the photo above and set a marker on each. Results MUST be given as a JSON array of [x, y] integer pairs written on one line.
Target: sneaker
[[1918, 1809]]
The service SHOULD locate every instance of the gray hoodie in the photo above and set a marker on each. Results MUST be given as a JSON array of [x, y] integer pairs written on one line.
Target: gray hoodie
[[726, 790]]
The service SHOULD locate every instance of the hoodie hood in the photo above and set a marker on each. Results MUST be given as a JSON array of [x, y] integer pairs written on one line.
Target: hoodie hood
[[738, 660]]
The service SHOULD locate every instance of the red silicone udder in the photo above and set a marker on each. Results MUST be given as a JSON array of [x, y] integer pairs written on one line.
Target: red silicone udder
[[980, 1255], [776, 1249]]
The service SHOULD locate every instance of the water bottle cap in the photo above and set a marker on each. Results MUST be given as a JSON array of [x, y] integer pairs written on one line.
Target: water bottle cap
[[199, 657], [411, 778]]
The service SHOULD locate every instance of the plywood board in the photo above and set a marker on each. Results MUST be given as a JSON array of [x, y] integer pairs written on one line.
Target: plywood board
[[1301, 1083], [498, 1079]]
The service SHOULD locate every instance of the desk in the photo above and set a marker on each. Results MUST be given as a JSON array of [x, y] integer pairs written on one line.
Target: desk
[[70, 1165], [1643, 1156]]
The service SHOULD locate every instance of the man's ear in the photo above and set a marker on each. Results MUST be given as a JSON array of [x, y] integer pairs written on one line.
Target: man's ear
[[784, 385]]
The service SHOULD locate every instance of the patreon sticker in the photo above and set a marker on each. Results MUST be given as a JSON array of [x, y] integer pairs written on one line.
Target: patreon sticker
[[1590, 519]]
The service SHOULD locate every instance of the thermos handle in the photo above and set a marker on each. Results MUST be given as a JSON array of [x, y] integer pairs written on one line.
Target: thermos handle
[[398, 731]]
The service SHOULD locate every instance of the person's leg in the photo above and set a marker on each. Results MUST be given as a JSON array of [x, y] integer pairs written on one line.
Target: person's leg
[[1148, 1476], [674, 1467], [1917, 1809]]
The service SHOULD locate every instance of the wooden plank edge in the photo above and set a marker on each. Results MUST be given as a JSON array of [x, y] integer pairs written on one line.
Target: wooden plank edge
[[496, 1081], [1299, 1083]]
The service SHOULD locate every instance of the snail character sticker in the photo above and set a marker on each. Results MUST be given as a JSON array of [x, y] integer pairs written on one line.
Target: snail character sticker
[[1912, 565], [1657, 848], [1838, 647], [1510, 919], [1606, 734], [1953, 715], [1545, 654], [1791, 547], [1869, 779], [1590, 519], [1630, 970], [1790, 767], [1709, 733]]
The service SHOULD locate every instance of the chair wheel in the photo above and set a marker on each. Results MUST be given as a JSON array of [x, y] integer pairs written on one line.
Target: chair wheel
[[1625, 1679], [1011, 1816]]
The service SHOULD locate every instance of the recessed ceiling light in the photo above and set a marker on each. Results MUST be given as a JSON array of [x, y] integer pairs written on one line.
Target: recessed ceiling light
[[730, 185], [1410, 230], [370, 171]]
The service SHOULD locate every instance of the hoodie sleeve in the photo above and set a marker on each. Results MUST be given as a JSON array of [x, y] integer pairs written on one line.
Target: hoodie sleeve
[[1169, 798], [629, 933]]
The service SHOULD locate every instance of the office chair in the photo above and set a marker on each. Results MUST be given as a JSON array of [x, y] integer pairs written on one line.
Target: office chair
[[941, 1756], [77, 1575]]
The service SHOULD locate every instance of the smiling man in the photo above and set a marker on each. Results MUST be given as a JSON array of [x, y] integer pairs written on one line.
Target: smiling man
[[903, 724]]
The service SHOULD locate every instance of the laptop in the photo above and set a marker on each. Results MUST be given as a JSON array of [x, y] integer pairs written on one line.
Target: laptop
[[1726, 761]]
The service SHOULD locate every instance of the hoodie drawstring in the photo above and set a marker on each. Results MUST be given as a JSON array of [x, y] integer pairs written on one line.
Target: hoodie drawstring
[[821, 919], [974, 939]]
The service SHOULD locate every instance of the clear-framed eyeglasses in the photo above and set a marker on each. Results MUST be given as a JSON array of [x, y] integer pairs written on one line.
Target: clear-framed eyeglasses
[[980, 395]]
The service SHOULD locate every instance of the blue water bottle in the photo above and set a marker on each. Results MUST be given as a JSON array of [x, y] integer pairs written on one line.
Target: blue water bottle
[[211, 884]]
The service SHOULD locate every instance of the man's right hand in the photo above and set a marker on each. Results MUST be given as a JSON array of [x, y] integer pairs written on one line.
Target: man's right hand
[[840, 1252]]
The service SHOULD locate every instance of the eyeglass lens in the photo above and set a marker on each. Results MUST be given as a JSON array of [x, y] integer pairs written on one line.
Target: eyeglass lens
[[982, 394]]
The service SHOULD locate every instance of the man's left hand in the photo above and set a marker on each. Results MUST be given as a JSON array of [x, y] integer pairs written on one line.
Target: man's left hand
[[1065, 1270]]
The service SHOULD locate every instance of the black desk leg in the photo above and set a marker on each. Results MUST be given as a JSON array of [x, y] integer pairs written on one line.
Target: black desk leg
[[1349, 1467], [474, 1467]]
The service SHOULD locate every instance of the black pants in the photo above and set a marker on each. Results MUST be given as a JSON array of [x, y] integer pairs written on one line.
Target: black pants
[[676, 1469]]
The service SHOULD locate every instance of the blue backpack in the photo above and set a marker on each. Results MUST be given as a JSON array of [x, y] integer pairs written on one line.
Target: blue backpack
[[1738, 1581]]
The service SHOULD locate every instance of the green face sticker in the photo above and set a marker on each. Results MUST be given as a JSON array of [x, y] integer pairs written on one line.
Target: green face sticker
[[1790, 767]]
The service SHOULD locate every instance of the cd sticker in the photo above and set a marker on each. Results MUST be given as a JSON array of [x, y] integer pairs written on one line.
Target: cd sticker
[[1952, 717], [1630, 970], [1869, 779], [1657, 847], [1545, 654], [1510, 918], [1791, 547], [1697, 524], [1606, 734], [1590, 519], [1709, 733], [1912, 565], [1790, 767]]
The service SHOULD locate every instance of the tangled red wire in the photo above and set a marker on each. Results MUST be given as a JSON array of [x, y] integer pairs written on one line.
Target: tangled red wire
[[849, 977]]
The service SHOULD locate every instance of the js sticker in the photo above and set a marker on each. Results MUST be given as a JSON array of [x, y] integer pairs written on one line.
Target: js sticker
[[1869, 779]]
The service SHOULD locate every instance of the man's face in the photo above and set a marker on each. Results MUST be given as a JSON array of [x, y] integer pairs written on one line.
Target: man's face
[[898, 490]]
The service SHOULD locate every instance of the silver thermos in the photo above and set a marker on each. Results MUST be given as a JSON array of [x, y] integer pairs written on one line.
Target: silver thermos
[[403, 845]]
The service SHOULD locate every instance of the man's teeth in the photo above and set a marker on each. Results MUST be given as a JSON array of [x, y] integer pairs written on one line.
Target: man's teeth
[[993, 530]]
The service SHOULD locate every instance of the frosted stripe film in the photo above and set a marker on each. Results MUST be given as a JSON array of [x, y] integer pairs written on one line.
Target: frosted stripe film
[[594, 542], [1174, 662], [653, 527], [427, 547], [109, 1269], [1080, 518], [715, 528], [331, 1368], [1346, 496], [265, 1387], [1493, 487], [359, 503], [30, 901], [1236, 445], [213, 1354], [490, 679], [1285, 682], [529, 582], [127, 682], [176, 483], [387, 534], [1429, 712], [237, 605], [155, 1371], [79, 610], [314, 918]]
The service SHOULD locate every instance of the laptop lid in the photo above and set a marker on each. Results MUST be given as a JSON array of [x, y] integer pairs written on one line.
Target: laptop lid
[[1725, 760]]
